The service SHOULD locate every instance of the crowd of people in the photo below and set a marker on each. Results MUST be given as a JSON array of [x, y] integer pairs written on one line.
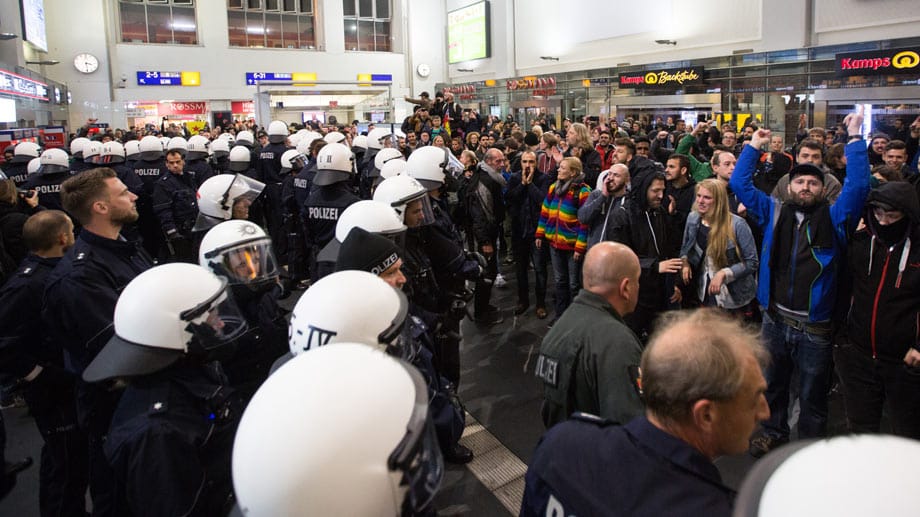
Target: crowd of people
[[702, 280]]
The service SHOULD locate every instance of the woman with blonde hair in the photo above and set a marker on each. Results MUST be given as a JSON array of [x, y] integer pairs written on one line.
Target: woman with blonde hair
[[718, 251], [580, 146]]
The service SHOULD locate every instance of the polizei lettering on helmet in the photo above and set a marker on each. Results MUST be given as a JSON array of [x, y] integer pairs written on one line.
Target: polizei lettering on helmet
[[325, 213]]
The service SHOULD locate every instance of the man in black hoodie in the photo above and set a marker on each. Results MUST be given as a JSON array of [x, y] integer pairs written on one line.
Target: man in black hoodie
[[881, 362], [644, 225], [526, 192]]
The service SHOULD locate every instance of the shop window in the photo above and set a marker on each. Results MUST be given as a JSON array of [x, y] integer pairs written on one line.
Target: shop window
[[171, 22], [271, 24], [367, 25]]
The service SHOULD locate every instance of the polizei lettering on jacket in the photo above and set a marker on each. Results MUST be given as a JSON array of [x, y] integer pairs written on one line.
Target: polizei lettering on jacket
[[47, 189], [322, 212], [268, 155], [301, 183], [147, 172]]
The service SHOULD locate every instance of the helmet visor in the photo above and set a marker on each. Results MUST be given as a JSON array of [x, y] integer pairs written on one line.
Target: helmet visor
[[248, 262], [417, 211], [242, 187], [454, 166], [417, 455], [215, 322]]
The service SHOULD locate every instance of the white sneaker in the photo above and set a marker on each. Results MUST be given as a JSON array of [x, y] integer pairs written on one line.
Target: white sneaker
[[499, 280]]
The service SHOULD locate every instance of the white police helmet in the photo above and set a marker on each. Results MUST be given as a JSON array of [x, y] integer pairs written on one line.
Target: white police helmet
[[291, 159], [92, 151], [54, 161], [132, 148], [334, 137], [360, 142], [372, 216], [334, 163], [218, 194], [151, 149], [400, 191], [829, 478], [385, 155], [164, 143], [277, 132], [25, 151], [240, 251], [220, 148], [112, 152], [162, 314], [294, 139], [378, 137], [391, 168], [306, 141], [76, 147], [228, 138], [240, 156], [429, 166], [246, 138], [376, 314], [343, 419], [197, 147], [33, 166], [177, 143]]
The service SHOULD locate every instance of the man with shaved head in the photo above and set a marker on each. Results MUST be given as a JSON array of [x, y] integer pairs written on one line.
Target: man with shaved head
[[704, 394], [589, 359]]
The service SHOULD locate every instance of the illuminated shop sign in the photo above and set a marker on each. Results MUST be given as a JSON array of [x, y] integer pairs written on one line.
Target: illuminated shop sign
[[669, 78], [18, 85], [879, 62], [156, 78]]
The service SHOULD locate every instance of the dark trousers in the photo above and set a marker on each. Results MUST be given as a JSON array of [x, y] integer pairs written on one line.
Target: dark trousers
[[525, 254], [274, 221], [484, 285], [64, 472], [868, 384], [95, 407]]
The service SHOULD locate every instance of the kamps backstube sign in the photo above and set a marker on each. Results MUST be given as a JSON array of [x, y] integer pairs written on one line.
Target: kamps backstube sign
[[662, 78], [879, 62]]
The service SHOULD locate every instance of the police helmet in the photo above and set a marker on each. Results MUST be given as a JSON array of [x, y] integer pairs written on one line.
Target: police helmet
[[177, 143], [220, 148], [151, 149], [246, 138], [376, 314], [377, 137], [197, 148], [229, 138], [76, 147], [277, 132], [334, 137], [829, 477], [25, 151], [400, 191], [334, 163], [306, 141], [239, 158], [292, 159], [429, 166], [241, 252], [218, 195], [54, 161], [164, 143], [372, 216], [360, 142], [294, 139], [344, 419], [112, 152], [390, 169], [33, 166], [92, 151], [163, 314], [385, 155], [132, 148]]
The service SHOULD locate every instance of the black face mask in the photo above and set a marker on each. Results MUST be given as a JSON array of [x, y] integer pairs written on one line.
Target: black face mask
[[892, 233]]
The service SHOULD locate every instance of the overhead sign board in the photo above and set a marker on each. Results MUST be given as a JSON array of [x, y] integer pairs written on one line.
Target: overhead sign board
[[157, 78], [662, 78], [14, 84], [879, 62]]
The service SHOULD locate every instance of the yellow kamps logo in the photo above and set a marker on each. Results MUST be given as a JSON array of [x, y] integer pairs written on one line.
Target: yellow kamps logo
[[651, 78], [906, 59]]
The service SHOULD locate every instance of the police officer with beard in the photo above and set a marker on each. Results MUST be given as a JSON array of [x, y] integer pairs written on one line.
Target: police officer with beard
[[240, 252], [52, 172], [149, 166], [268, 170], [329, 198], [171, 437], [176, 207]]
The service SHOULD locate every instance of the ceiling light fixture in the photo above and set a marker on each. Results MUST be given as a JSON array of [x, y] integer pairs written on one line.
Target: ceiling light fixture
[[665, 42], [549, 58]]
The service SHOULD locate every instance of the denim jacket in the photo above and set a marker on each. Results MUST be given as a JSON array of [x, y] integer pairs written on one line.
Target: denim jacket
[[740, 277]]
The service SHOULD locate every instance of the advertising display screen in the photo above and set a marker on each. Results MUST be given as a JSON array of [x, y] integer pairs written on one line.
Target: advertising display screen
[[468, 35], [33, 23]]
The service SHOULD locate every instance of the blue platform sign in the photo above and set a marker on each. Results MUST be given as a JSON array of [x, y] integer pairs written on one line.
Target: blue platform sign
[[149, 78], [258, 77]]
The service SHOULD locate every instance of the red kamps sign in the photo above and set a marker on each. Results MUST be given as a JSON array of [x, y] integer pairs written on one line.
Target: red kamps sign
[[242, 107], [182, 108], [879, 62]]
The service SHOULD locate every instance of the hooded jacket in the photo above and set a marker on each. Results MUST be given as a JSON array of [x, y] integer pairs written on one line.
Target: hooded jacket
[[884, 264]]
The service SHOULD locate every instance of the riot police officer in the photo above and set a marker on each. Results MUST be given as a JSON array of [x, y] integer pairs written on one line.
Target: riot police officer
[[179, 144], [326, 202], [112, 155], [77, 165], [224, 197], [292, 164], [171, 435], [372, 177], [132, 153], [54, 169], [269, 172], [150, 166], [309, 146], [196, 159], [23, 153], [377, 139], [176, 207], [220, 156]]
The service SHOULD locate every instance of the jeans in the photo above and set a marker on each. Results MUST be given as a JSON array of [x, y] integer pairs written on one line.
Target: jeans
[[567, 273], [525, 253], [812, 355], [868, 384]]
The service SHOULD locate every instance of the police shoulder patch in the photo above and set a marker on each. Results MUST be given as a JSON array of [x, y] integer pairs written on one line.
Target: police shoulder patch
[[547, 369]]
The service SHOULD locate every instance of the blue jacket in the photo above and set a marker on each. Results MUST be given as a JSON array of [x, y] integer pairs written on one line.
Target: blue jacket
[[763, 210]]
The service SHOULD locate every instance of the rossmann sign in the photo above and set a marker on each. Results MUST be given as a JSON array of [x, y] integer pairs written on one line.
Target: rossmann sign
[[879, 62], [672, 78]]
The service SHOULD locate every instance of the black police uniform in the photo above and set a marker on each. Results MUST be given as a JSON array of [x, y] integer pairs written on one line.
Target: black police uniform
[[127, 176], [365, 167], [268, 168], [79, 306], [303, 183], [18, 172], [655, 473], [200, 170], [24, 345], [149, 172], [78, 165], [320, 214], [175, 203], [48, 187], [293, 230], [171, 441]]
